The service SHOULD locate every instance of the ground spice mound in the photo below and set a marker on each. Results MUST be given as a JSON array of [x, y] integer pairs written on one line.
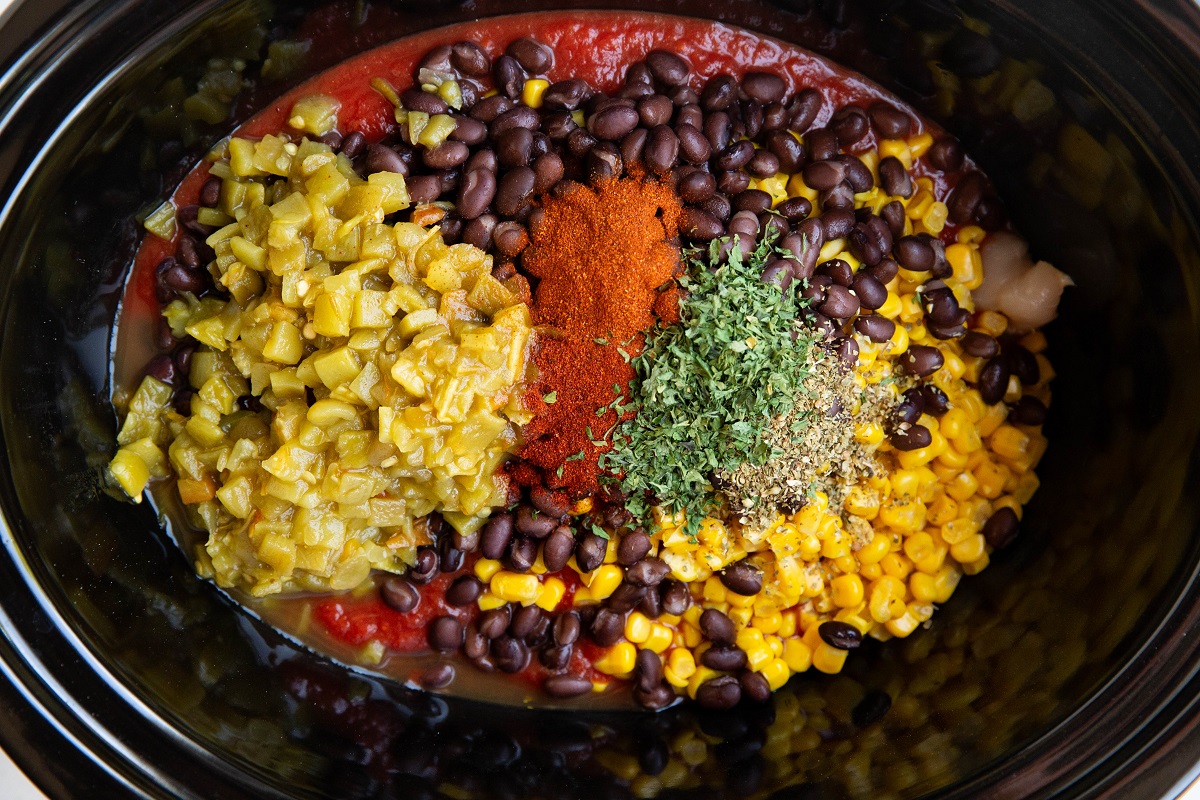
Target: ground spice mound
[[600, 255]]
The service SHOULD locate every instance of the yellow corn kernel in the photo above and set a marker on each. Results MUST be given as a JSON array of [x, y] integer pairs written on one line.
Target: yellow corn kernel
[[977, 566], [604, 580], [531, 95], [787, 627], [910, 308], [934, 219], [692, 636], [618, 660], [581, 506], [945, 582], [831, 249], [776, 186], [963, 486], [993, 323], [740, 600], [797, 655], [828, 659], [637, 627], [868, 433], [904, 483], [485, 568], [991, 477], [891, 307], [681, 662], [952, 458], [1009, 442], [488, 601], [660, 638], [941, 511], [923, 587], [918, 546], [1010, 502], [776, 672], [896, 565], [898, 149], [796, 187], [767, 623], [902, 626], [969, 549], [1026, 487], [918, 205], [701, 676], [551, 594], [957, 530], [757, 657], [515, 587], [920, 143], [971, 234], [674, 679], [874, 551], [749, 638], [714, 590], [904, 517], [847, 590]]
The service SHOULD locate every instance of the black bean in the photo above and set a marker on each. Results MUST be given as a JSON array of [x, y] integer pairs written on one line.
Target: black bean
[[425, 102], [775, 117], [841, 635], [171, 278], [447, 182], [350, 146], [764, 164], [510, 238], [489, 109], [162, 367], [475, 643], [1022, 363], [497, 534], [966, 197], [531, 54], [608, 627], [482, 159], [661, 697], [717, 627], [733, 182], [649, 571], [849, 124], [475, 193], [648, 669], [526, 621], [764, 87], [993, 380], [894, 178], [893, 214], [469, 131], [190, 252], [804, 110], [183, 357], [424, 188], [633, 146], [921, 360], [555, 657], [824, 175], [446, 634], [1001, 528], [838, 271], [633, 547], [745, 222], [840, 196], [693, 145], [451, 557], [589, 551], [980, 345], [871, 293], [508, 76], [755, 688], [840, 303], [446, 155], [936, 401], [912, 437], [399, 595], [514, 190], [724, 658], [794, 209], [864, 246], [626, 597], [510, 655], [651, 604], [438, 676], [464, 591], [675, 597], [885, 270], [612, 123], [717, 130], [210, 193], [565, 628], [914, 254], [604, 163], [857, 174], [662, 149], [437, 59], [697, 186], [1028, 410], [735, 156], [889, 121], [946, 154], [636, 91], [720, 694], [700, 225], [742, 578], [426, 568], [558, 548], [909, 409], [468, 59], [564, 686], [941, 307], [871, 709], [787, 149], [656, 109], [494, 622], [569, 94], [478, 232], [522, 554], [847, 352], [519, 117], [778, 274], [513, 147], [667, 67], [971, 54], [752, 201], [719, 93]]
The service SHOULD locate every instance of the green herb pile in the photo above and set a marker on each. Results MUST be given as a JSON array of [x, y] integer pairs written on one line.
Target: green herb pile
[[707, 388]]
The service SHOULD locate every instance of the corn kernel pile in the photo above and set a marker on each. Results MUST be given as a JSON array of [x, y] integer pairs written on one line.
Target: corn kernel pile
[[391, 364]]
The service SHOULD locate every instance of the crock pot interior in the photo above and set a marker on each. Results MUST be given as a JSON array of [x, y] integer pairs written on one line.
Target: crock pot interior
[[1063, 658]]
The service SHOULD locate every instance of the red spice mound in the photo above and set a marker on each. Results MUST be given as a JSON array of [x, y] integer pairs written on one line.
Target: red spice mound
[[601, 255]]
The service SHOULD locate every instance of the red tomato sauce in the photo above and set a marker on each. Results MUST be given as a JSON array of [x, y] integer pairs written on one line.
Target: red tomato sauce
[[594, 45]]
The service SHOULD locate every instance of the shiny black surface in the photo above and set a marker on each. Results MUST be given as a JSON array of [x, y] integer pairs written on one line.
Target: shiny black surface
[[1066, 669]]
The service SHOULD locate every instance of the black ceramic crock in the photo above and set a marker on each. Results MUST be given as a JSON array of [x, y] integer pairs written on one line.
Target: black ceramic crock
[[1067, 669]]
